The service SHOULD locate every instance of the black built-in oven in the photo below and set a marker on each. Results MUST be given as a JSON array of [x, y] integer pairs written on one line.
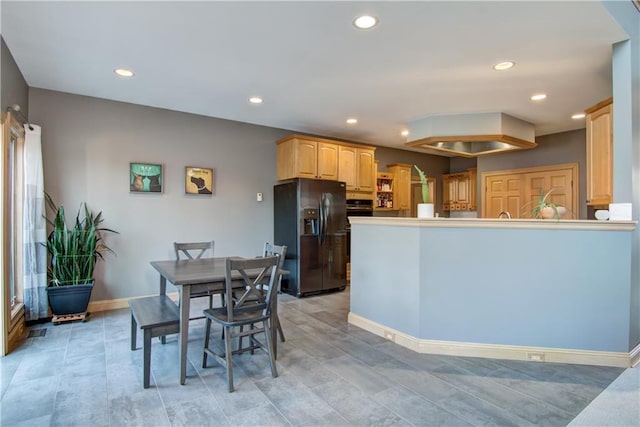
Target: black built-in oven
[[356, 207]]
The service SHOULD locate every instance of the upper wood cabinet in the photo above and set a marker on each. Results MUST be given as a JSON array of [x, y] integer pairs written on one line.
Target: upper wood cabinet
[[402, 185], [305, 157], [458, 189], [300, 156], [600, 153], [356, 168]]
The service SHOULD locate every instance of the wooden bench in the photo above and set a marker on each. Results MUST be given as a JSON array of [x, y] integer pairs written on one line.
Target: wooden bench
[[157, 316]]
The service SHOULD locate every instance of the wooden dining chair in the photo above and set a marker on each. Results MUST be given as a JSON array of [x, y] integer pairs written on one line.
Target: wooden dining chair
[[196, 250], [249, 307], [270, 250]]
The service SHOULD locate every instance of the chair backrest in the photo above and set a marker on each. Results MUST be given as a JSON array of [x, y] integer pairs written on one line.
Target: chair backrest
[[251, 299], [193, 250], [270, 250]]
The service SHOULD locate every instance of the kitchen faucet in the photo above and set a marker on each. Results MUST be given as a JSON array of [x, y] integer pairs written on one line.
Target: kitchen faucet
[[507, 214]]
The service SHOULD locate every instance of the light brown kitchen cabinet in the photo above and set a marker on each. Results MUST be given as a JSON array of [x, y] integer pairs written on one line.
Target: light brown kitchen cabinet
[[356, 168], [473, 189], [599, 123], [306, 157], [457, 191], [401, 185]]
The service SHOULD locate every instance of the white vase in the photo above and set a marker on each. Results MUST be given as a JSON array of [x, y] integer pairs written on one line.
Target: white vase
[[425, 210]]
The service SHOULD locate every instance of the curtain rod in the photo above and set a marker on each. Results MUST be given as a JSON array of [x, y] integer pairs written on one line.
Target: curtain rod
[[16, 109]]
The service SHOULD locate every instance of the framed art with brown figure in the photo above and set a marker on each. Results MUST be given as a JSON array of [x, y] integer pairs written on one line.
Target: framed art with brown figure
[[198, 180], [145, 178]]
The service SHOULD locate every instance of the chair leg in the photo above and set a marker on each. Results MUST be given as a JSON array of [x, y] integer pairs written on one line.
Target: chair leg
[[251, 339], [134, 330], [146, 348], [240, 338], [280, 329], [228, 357], [207, 330], [272, 360]]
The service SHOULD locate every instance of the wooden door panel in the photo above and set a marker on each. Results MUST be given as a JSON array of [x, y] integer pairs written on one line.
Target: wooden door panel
[[307, 160], [347, 169], [366, 166], [328, 161]]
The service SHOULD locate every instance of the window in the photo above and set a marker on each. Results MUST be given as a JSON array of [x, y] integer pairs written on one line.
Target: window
[[11, 170]]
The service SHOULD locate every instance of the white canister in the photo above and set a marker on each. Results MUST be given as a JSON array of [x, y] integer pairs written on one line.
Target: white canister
[[425, 210]]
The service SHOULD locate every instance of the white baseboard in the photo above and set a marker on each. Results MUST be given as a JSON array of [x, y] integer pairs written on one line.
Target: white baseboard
[[634, 355], [114, 304], [495, 351]]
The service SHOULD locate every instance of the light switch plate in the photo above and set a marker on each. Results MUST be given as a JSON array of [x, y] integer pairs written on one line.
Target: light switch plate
[[259, 197]]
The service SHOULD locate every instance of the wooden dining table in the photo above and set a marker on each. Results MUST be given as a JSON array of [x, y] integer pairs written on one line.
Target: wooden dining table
[[196, 275]]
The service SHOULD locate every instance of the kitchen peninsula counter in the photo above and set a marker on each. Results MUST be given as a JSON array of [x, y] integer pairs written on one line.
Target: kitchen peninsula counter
[[541, 290]]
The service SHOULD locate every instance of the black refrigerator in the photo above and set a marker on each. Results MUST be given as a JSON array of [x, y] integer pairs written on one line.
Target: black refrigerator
[[310, 217]]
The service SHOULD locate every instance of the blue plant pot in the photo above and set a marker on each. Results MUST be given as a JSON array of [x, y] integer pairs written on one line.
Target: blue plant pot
[[69, 299]]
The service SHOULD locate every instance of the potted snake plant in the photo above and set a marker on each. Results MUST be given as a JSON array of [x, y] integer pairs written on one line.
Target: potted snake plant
[[425, 209], [73, 252]]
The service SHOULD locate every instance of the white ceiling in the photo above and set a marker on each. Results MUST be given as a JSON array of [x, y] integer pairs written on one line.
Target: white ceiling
[[314, 69]]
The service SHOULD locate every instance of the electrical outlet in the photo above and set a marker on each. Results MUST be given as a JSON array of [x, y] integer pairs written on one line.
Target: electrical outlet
[[259, 197], [535, 357]]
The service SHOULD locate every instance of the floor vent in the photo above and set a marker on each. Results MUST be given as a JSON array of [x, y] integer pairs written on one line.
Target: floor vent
[[37, 333]]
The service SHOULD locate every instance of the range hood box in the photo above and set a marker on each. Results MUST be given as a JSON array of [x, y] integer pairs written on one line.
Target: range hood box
[[471, 135]]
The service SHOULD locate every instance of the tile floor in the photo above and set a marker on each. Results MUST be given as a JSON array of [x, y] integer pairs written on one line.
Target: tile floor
[[331, 374]]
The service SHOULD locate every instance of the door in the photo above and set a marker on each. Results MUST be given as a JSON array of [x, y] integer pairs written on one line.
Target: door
[[347, 171], [502, 195], [307, 158], [327, 161], [515, 190], [560, 182], [600, 157], [366, 170], [310, 257], [334, 240]]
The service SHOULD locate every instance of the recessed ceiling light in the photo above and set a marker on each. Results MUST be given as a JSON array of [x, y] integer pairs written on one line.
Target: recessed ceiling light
[[255, 100], [404, 133], [539, 97], [123, 72], [578, 116], [365, 22], [503, 66], [352, 121]]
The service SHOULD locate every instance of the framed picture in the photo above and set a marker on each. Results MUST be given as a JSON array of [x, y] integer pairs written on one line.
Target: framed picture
[[145, 178], [198, 180]]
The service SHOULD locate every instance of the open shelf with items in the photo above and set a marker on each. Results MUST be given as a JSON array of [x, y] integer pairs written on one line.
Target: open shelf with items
[[384, 191]]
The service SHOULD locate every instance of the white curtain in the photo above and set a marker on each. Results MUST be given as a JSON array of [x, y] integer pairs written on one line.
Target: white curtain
[[34, 233]]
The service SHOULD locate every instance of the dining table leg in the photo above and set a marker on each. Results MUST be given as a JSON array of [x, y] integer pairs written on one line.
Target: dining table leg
[[163, 291], [185, 297], [163, 285]]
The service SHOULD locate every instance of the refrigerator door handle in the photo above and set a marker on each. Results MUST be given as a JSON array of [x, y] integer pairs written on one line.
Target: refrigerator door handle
[[321, 220], [325, 206]]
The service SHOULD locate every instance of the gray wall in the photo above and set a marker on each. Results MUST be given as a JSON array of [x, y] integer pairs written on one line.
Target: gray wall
[[87, 146], [557, 148], [13, 87], [89, 142]]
